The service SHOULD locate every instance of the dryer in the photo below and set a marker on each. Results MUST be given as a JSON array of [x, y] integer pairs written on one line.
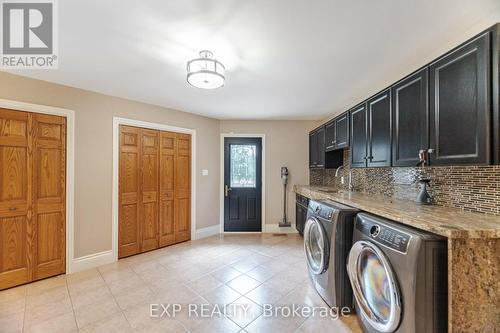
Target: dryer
[[398, 276], [327, 240]]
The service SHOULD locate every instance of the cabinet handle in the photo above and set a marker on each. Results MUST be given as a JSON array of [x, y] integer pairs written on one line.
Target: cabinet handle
[[12, 209]]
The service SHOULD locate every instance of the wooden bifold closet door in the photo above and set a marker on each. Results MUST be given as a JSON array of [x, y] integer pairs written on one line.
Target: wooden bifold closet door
[[32, 197], [154, 189]]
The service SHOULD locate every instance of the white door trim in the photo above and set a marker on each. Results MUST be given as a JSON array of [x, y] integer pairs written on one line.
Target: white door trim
[[221, 195], [70, 164], [117, 121]]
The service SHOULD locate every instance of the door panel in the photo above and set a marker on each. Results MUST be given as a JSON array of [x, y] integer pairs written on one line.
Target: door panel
[[148, 212], [182, 190], [410, 108], [342, 131], [358, 134], [50, 195], [460, 105], [379, 130], [167, 178], [243, 178], [128, 213]]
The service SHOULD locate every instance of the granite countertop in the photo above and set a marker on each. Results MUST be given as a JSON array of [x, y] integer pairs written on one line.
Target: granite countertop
[[448, 222]]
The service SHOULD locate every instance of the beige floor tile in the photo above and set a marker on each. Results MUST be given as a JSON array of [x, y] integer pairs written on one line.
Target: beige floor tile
[[225, 274], [12, 323], [117, 274], [48, 296], [85, 284], [327, 325], [114, 324], [281, 283], [177, 294], [48, 310], [243, 284], [271, 325], [45, 285], [221, 295], [260, 273], [245, 265], [8, 308], [122, 285], [58, 324], [133, 297], [264, 294], [89, 314], [92, 296], [244, 311], [13, 294], [86, 274], [204, 284]]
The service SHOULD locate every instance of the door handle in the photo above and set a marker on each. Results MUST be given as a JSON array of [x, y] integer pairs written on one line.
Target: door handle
[[226, 190]]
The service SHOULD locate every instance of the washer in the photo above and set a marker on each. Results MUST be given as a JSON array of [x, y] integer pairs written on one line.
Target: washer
[[398, 276], [327, 239]]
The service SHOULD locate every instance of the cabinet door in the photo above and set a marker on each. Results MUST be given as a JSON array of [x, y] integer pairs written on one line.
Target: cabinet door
[[167, 182], [148, 212], [358, 136], [342, 131], [330, 136], [459, 105], [312, 150], [129, 192], [182, 203], [49, 174], [410, 109], [379, 130], [16, 202], [320, 148]]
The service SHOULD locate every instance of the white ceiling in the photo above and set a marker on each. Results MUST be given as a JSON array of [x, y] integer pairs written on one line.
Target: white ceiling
[[285, 59]]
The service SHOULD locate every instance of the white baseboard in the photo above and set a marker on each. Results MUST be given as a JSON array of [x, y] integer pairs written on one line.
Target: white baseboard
[[207, 232], [91, 261], [275, 228]]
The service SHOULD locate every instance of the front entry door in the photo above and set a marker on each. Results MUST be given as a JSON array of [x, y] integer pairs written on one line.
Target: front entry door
[[242, 184]]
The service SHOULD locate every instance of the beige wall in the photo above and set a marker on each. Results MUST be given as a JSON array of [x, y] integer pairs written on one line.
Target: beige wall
[[287, 144], [93, 152]]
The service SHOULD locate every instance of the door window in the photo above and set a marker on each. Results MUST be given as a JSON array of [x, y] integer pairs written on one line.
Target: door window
[[243, 166], [315, 246]]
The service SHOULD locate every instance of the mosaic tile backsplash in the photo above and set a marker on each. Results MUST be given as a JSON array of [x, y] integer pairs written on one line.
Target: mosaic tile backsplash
[[472, 188]]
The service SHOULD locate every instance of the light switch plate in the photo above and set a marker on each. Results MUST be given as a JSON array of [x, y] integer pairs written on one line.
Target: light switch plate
[[204, 172]]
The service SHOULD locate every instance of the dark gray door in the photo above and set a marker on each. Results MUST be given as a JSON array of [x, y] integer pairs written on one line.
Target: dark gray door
[[242, 184], [358, 136], [379, 130]]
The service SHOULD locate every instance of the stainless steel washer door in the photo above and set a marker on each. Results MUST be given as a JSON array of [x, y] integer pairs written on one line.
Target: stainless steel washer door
[[316, 246], [375, 286]]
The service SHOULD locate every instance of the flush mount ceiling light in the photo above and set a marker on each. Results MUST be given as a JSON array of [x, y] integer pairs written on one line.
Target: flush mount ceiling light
[[205, 72]]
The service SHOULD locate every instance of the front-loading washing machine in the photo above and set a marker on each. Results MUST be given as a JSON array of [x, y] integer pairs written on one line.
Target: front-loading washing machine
[[398, 276], [327, 240]]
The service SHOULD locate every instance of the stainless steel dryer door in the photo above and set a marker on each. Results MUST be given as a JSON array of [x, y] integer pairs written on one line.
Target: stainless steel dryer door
[[375, 286], [316, 246]]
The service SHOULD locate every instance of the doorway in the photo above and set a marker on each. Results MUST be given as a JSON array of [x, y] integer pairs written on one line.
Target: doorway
[[242, 184]]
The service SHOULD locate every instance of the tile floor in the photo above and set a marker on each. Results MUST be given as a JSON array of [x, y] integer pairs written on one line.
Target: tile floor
[[243, 270]]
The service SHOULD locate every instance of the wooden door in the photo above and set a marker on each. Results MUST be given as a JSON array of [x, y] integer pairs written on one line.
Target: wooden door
[[182, 190], [49, 178], [168, 149], [320, 147], [358, 136], [16, 198], [148, 211], [460, 88], [128, 212], [32, 197], [410, 109], [379, 130]]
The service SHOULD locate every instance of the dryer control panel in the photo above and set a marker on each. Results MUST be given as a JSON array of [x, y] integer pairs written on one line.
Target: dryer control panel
[[389, 237]]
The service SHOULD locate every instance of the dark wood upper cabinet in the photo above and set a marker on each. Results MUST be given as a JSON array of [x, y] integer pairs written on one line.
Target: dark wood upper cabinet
[[379, 130], [320, 146], [342, 131], [317, 148], [460, 105], [330, 136], [358, 136], [410, 117]]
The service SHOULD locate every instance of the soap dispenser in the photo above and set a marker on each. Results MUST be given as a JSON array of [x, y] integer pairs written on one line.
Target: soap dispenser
[[424, 197]]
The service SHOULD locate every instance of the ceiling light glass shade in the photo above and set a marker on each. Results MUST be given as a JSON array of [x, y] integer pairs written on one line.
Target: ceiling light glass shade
[[205, 72]]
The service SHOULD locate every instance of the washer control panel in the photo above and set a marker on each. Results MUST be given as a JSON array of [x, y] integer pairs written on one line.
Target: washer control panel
[[385, 235]]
